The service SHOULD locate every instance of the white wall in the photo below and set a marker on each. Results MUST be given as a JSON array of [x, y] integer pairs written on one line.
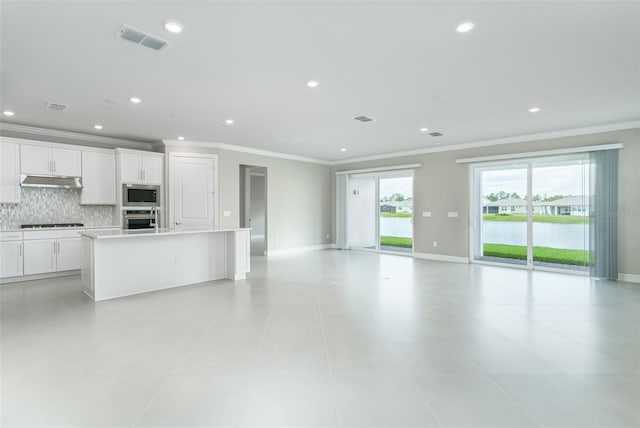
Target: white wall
[[441, 185], [299, 196]]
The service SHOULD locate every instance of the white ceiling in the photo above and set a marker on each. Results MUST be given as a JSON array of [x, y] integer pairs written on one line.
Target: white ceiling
[[401, 63]]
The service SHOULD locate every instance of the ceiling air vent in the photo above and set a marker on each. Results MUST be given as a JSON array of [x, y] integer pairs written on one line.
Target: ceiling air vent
[[51, 105], [141, 38], [363, 118], [436, 134]]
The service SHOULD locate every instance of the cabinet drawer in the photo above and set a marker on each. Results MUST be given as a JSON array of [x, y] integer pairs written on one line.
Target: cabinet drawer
[[10, 236], [52, 234]]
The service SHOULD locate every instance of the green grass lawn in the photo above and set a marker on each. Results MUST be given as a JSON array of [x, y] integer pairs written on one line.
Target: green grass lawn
[[540, 254], [538, 218], [402, 215], [395, 241]]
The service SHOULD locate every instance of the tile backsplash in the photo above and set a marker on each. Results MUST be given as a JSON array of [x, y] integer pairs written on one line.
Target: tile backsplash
[[45, 205]]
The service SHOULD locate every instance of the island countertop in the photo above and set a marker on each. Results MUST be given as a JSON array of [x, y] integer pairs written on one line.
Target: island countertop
[[138, 233], [120, 263]]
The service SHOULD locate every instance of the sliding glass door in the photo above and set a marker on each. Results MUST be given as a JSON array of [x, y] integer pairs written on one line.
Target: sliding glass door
[[561, 207], [396, 212], [380, 211], [534, 213]]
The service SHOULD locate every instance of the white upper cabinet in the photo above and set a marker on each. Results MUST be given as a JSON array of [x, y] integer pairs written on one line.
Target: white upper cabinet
[[138, 168], [130, 168], [67, 162], [9, 173], [98, 178], [40, 160], [152, 169], [35, 160]]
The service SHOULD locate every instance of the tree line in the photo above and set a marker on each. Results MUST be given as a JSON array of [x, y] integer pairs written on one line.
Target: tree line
[[537, 198]]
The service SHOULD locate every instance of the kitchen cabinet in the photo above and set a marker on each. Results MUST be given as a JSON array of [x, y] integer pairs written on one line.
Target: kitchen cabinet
[[11, 256], [41, 160], [51, 251], [98, 178], [141, 169], [9, 173], [39, 256], [68, 254]]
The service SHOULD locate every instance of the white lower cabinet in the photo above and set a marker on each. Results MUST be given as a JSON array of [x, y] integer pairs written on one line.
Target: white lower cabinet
[[49, 251], [10, 259], [68, 255], [39, 256]]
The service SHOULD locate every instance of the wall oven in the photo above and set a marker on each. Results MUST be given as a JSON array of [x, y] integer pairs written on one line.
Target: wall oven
[[140, 195], [140, 219]]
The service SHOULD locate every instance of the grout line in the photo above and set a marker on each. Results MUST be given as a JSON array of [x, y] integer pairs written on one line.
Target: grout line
[[326, 349], [252, 375], [504, 391]]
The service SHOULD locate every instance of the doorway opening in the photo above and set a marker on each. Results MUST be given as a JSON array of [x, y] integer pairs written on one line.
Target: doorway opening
[[380, 211], [253, 206]]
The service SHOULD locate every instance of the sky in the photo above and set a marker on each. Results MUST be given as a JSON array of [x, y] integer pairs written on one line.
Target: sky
[[402, 185], [553, 180]]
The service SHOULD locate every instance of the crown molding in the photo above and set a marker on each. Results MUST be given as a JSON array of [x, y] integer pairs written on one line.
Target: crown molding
[[75, 136], [499, 141], [241, 149]]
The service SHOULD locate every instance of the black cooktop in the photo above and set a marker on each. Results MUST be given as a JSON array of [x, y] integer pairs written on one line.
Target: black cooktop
[[38, 226]]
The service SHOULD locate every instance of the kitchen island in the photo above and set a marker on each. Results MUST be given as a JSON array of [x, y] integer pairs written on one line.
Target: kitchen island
[[120, 263]]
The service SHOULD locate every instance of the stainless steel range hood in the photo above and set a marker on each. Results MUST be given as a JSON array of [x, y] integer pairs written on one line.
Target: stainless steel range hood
[[27, 180]]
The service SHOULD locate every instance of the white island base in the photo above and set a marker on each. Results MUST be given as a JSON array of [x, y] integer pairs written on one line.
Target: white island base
[[122, 263]]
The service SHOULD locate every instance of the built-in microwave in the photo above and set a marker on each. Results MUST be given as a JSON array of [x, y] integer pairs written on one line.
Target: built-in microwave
[[140, 195]]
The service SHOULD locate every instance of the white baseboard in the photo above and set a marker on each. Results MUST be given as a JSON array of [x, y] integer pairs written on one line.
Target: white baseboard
[[628, 277], [14, 279], [297, 250], [441, 258]]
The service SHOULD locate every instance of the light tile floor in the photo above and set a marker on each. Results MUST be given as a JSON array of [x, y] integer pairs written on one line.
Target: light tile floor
[[329, 338]]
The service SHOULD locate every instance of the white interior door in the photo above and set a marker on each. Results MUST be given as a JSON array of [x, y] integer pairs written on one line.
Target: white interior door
[[192, 192]]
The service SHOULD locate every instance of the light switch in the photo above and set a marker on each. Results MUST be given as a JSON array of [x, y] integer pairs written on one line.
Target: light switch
[[426, 213], [227, 213], [452, 214]]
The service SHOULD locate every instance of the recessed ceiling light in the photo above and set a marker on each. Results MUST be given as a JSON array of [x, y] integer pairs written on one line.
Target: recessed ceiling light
[[8, 113], [465, 27], [135, 100], [180, 138], [313, 83], [534, 109], [343, 149], [173, 27], [424, 129], [229, 122], [97, 126], [437, 144]]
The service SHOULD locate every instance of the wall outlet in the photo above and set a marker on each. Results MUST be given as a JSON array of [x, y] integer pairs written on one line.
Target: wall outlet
[[327, 236], [226, 213], [435, 243], [426, 213], [452, 214], [276, 239]]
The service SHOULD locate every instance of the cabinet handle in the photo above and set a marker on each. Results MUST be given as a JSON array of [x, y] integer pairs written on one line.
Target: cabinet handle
[[54, 166], [144, 175], [20, 246]]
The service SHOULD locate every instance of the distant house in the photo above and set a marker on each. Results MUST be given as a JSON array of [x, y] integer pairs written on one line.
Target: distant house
[[405, 206], [505, 206], [570, 205]]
